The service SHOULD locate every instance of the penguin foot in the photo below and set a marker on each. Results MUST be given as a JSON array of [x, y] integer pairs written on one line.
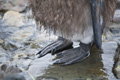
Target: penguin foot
[[74, 55], [56, 46]]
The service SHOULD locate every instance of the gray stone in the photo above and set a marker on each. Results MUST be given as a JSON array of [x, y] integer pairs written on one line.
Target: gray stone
[[15, 5], [116, 17], [46, 78], [1, 75], [13, 18], [14, 77]]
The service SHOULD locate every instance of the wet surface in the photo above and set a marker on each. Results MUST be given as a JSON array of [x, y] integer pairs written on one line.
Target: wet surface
[[98, 66]]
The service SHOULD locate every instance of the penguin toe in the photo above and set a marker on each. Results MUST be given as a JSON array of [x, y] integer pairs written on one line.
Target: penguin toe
[[71, 56]]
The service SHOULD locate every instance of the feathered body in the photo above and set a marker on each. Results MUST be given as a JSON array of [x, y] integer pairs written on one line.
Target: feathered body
[[70, 19]]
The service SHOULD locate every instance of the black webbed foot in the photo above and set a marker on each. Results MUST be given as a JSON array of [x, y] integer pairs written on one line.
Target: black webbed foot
[[56, 46], [73, 55]]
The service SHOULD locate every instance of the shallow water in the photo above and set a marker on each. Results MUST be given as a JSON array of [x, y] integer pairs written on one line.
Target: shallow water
[[98, 66]]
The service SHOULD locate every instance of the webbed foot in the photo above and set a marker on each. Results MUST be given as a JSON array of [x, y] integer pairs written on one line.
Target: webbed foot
[[56, 46], [73, 55]]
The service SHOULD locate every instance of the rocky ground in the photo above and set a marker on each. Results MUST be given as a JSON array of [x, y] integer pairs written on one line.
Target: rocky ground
[[20, 40]]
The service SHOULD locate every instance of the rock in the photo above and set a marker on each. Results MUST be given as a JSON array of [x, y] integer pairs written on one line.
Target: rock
[[1, 14], [19, 39], [15, 5], [23, 34], [9, 71], [1, 75], [116, 68], [116, 17], [1, 41], [12, 69], [28, 13], [4, 67], [31, 53], [14, 77], [46, 78], [35, 45], [21, 55], [13, 18], [89, 79], [25, 54], [0, 17], [23, 58], [11, 45], [3, 55], [113, 34], [23, 64]]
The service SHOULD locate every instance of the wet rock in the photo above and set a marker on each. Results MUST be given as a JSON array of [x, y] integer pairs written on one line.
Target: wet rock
[[1, 75], [116, 18], [28, 13], [23, 64], [19, 39], [13, 18], [3, 55], [1, 14], [15, 5], [31, 54], [4, 67], [20, 56], [113, 34], [12, 69], [23, 34], [11, 46], [1, 41], [88, 79], [22, 59], [46, 78], [35, 45], [6, 31], [117, 71], [8, 71], [25, 54], [116, 68], [14, 77]]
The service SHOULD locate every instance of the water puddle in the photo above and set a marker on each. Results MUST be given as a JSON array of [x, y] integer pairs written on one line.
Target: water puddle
[[98, 66]]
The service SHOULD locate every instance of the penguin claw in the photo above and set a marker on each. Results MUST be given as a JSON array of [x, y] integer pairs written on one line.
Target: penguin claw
[[54, 47], [39, 52], [58, 62]]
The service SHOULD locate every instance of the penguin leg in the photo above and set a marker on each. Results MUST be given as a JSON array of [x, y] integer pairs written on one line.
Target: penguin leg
[[74, 55], [56, 46]]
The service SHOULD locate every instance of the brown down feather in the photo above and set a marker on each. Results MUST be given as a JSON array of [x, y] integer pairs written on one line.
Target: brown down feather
[[67, 17]]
